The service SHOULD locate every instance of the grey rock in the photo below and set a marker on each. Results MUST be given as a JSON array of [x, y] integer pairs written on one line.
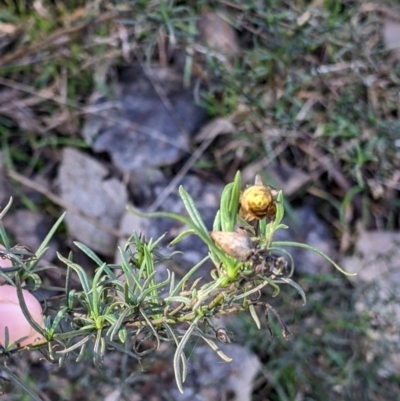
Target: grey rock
[[82, 182], [210, 378], [141, 129]]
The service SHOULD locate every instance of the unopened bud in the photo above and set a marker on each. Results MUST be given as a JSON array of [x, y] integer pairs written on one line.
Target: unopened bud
[[258, 202], [237, 245]]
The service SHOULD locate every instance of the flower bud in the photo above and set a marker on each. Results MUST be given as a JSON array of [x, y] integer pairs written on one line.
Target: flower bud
[[237, 245], [258, 202]]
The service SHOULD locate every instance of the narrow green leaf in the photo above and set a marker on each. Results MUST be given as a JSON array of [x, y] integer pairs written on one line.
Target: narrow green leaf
[[310, 248], [217, 222], [96, 291], [254, 315], [171, 283], [4, 277], [296, 286], [192, 210], [187, 276], [83, 278], [224, 208], [204, 236], [122, 334], [148, 261], [182, 300], [4, 237], [215, 348], [263, 227], [234, 200], [183, 358], [89, 253], [181, 236], [128, 272], [252, 291], [6, 337], [24, 308], [114, 329], [153, 244], [200, 232], [230, 204], [98, 349], [6, 208], [280, 210], [179, 353], [123, 349], [151, 327], [152, 287], [81, 352], [75, 345], [56, 322], [40, 251], [169, 215], [20, 383]]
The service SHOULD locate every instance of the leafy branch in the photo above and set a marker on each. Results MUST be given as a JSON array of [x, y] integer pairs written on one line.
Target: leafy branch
[[126, 306]]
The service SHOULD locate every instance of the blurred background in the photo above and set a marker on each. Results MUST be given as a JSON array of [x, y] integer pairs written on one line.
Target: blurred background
[[108, 103]]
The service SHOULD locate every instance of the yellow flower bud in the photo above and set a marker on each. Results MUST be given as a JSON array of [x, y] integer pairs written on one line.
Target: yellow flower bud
[[257, 202]]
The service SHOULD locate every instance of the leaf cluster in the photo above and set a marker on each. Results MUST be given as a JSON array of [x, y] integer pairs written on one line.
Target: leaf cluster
[[126, 306]]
